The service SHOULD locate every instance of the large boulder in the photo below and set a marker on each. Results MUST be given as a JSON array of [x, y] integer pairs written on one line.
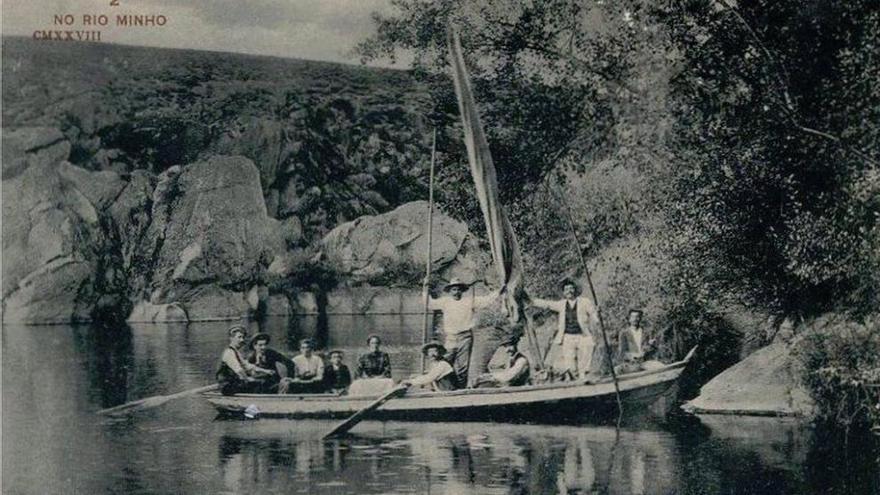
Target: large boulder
[[390, 249], [52, 237], [32, 146], [764, 384], [260, 140], [100, 188], [210, 237]]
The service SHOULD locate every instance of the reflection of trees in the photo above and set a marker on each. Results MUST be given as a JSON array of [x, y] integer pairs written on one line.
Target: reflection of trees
[[108, 353]]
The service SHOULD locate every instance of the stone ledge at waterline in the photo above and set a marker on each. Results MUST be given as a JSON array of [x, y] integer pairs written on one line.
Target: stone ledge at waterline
[[763, 384]]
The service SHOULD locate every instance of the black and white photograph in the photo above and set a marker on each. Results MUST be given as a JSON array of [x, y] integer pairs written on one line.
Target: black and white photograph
[[440, 247]]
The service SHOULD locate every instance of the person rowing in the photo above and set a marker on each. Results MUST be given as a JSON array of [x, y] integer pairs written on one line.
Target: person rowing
[[234, 374], [439, 375], [265, 357], [458, 323]]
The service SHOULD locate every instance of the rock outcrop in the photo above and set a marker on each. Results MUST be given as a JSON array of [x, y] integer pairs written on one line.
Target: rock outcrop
[[189, 244], [51, 232], [763, 384], [210, 238], [390, 249]]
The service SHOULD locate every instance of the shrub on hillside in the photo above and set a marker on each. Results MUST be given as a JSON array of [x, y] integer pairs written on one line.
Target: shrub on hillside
[[841, 366]]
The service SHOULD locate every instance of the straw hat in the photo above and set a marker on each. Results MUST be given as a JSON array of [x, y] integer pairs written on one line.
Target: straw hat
[[435, 345]]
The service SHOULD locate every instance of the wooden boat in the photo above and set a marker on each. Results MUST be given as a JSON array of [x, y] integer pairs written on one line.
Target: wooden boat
[[552, 402]]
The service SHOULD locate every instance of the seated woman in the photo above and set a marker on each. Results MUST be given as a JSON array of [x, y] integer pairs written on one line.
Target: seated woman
[[373, 373], [513, 373], [337, 378], [270, 359], [374, 364], [234, 374], [439, 376]]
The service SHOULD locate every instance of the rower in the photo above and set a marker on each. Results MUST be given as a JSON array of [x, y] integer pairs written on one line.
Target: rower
[[265, 357], [234, 374], [439, 376], [515, 370], [458, 322]]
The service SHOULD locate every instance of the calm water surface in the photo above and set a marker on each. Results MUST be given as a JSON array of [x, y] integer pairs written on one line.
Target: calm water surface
[[54, 378]]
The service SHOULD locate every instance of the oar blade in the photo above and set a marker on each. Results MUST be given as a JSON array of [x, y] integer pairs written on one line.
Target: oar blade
[[151, 402], [359, 416]]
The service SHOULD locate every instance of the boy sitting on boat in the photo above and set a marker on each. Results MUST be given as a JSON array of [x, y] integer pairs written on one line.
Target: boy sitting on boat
[[337, 378], [439, 375]]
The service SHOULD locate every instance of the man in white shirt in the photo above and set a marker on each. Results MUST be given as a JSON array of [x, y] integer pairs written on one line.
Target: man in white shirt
[[458, 322], [578, 320], [439, 375], [308, 371]]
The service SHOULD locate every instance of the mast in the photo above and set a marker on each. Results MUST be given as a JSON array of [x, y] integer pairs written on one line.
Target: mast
[[426, 318]]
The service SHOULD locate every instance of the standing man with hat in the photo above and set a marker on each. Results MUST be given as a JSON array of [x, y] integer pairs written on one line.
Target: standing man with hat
[[439, 375], [578, 320], [458, 323]]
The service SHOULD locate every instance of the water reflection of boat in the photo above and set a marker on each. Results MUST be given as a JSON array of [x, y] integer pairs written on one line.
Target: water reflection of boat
[[567, 401]]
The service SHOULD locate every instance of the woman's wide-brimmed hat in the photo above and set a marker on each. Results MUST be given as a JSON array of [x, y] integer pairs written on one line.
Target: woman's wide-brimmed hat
[[336, 351], [435, 345], [455, 282]]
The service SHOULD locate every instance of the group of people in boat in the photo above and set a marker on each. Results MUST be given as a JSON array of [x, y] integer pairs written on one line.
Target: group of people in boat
[[256, 368]]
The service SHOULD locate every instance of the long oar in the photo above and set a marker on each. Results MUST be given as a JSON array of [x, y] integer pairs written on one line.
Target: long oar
[[155, 401], [360, 415]]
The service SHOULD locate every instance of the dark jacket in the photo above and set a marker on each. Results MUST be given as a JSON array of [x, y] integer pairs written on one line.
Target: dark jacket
[[336, 379], [374, 365]]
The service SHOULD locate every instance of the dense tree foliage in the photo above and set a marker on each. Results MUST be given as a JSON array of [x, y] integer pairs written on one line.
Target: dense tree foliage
[[732, 147]]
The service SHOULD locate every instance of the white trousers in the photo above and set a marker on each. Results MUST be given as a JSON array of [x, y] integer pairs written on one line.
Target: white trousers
[[577, 353]]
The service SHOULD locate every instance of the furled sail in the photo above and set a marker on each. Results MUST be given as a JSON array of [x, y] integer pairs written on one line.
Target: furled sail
[[502, 241]]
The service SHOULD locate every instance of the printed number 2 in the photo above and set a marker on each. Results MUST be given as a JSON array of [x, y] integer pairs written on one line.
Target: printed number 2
[[114, 3]]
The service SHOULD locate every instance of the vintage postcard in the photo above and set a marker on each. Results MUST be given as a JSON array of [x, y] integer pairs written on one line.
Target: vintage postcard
[[440, 246]]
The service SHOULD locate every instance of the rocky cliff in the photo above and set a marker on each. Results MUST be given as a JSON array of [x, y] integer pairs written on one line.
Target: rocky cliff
[[188, 244]]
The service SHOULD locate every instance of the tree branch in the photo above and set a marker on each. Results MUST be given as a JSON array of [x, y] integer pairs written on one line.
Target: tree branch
[[782, 78]]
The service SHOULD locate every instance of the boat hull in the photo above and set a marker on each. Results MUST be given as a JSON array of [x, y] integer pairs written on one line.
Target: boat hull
[[565, 402]]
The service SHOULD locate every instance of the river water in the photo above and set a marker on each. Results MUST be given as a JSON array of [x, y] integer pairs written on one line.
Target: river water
[[56, 377]]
